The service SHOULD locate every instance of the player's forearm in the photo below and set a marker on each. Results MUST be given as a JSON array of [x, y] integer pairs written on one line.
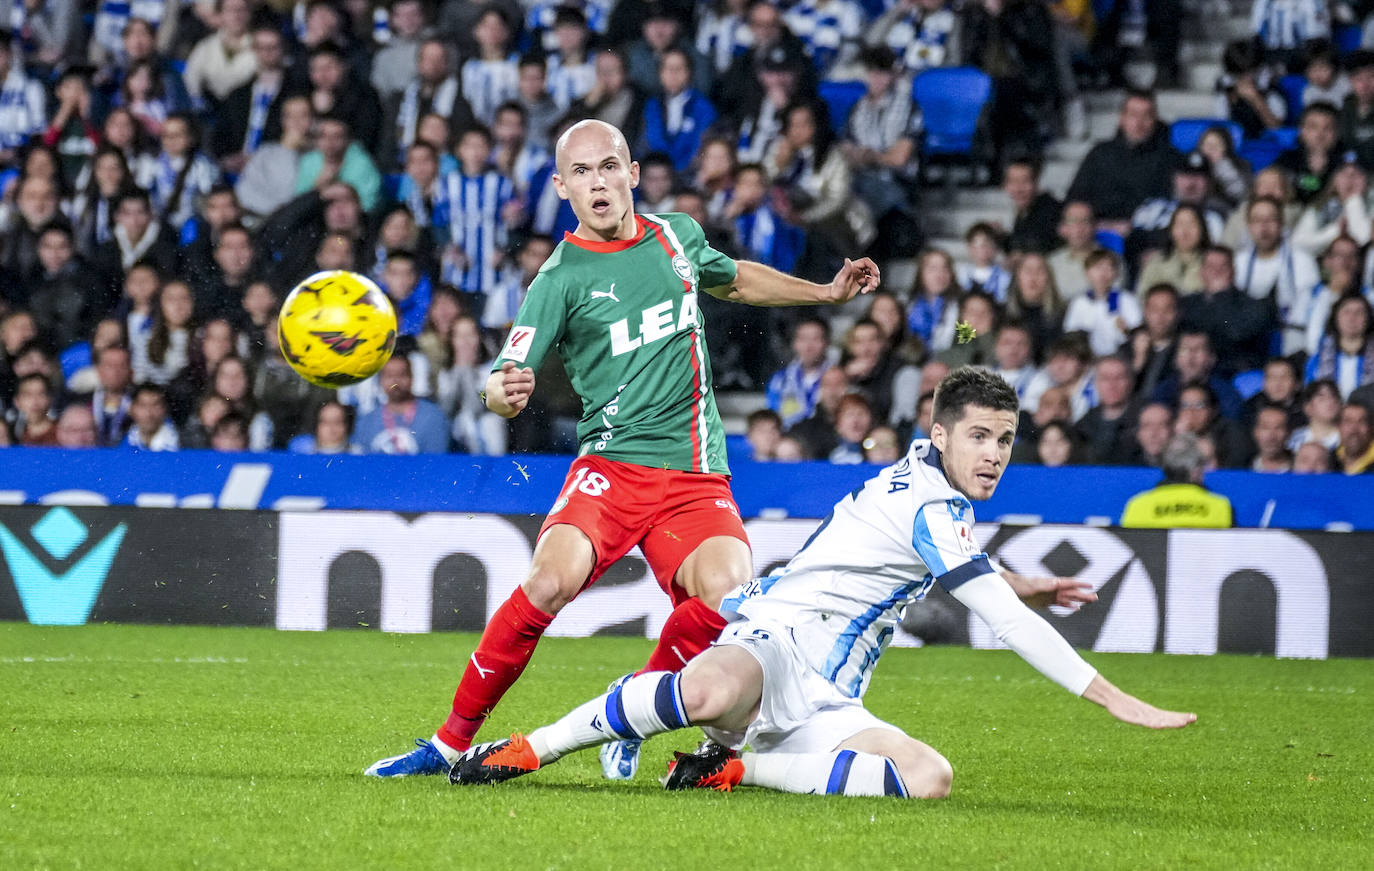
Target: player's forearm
[[757, 284], [495, 394]]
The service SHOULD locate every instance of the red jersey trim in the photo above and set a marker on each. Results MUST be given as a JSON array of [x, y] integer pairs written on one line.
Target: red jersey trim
[[610, 247]]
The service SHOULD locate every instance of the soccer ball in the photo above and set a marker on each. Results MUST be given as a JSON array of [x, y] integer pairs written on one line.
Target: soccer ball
[[337, 328]]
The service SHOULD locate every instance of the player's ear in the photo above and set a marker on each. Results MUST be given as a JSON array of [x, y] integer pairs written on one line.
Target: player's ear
[[939, 436], [559, 187], [634, 173]]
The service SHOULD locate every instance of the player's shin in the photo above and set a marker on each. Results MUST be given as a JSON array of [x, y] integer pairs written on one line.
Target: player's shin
[[689, 630], [839, 772], [645, 705]]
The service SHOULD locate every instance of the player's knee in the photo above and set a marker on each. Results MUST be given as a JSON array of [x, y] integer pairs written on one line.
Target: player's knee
[[925, 772], [704, 698], [549, 589]]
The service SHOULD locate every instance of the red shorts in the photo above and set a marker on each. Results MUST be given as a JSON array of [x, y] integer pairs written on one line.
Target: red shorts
[[664, 511]]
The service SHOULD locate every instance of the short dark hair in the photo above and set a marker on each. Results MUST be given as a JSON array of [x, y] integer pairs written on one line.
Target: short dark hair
[[1097, 255], [983, 228], [1162, 288], [763, 415], [151, 387], [967, 386], [813, 320], [1322, 108], [1286, 362], [477, 128], [1310, 391]]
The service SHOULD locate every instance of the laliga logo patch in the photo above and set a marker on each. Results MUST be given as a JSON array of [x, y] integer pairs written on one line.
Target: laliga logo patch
[[64, 599], [684, 269]]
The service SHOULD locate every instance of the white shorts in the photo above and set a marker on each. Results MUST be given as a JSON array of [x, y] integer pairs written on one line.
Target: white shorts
[[800, 712]]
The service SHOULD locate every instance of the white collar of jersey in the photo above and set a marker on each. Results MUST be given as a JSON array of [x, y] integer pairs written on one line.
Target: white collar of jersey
[[933, 458]]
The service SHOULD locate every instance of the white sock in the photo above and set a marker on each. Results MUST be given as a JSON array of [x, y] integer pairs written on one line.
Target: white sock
[[449, 753], [839, 772], [645, 705]]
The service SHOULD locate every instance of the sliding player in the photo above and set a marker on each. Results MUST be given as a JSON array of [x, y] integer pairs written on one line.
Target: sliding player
[[788, 676], [618, 299]]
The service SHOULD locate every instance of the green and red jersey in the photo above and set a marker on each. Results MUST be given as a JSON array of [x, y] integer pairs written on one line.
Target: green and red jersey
[[623, 316]]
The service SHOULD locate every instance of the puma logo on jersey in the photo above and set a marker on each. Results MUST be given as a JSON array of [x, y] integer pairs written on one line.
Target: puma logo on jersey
[[655, 323], [606, 294]]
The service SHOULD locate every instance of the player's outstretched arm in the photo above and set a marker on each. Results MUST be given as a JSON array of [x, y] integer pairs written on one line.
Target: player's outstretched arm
[[1129, 709], [509, 389], [757, 284]]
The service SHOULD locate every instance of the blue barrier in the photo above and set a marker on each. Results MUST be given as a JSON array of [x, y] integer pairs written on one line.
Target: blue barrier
[[530, 484]]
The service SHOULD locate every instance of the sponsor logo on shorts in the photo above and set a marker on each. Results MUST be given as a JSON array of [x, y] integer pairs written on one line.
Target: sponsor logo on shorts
[[559, 505], [518, 344], [728, 506]]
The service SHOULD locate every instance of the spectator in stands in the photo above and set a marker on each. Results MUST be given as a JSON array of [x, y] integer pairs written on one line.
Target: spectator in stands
[[1325, 81], [613, 98], [868, 369], [1312, 459], [1013, 42], [722, 33], [1180, 500], [1357, 109], [882, 446], [1155, 342], [233, 381], [1356, 451], [396, 62], [763, 431], [490, 77], [983, 269], [934, 299], [36, 206], [1272, 270], [1197, 414], [1150, 222], [656, 182], [335, 92], [481, 209], [251, 114], [142, 95], [433, 90], [1035, 213], [1342, 208], [152, 429], [660, 30], [71, 128], [1054, 405], [1247, 91], [782, 83], [30, 420], [1066, 366], [137, 236], [1283, 27], [1153, 428], [540, 109], [817, 432], [1013, 356], [91, 209], [1229, 171], [1280, 389], [571, 72], [1341, 267], [829, 29], [1270, 434], [979, 310], [504, 300], [195, 432], [231, 433], [1271, 182], [179, 173], [756, 228], [1179, 263], [1077, 230], [1034, 299], [65, 297], [1121, 173], [1321, 405], [166, 350], [408, 290], [223, 60], [514, 154], [111, 401], [404, 424], [221, 291], [1058, 445], [881, 135], [1106, 428], [794, 391], [1106, 312], [817, 181], [1346, 353], [885, 310], [25, 114], [853, 419], [768, 36], [269, 177], [1312, 161], [337, 156], [331, 434], [923, 33], [1195, 360], [458, 392], [76, 427], [1237, 325]]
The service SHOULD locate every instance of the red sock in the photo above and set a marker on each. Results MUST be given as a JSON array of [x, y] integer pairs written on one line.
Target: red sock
[[689, 630], [505, 649]]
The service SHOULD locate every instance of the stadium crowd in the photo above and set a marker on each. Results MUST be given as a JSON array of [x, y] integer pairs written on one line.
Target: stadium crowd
[[171, 168]]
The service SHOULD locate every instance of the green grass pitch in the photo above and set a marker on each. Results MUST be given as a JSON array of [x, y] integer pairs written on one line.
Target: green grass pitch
[[156, 747]]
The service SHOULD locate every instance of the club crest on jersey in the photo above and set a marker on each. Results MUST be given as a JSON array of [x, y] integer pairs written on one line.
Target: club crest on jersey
[[518, 344], [684, 270]]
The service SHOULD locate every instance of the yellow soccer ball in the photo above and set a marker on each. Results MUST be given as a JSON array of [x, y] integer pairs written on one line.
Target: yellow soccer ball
[[337, 328]]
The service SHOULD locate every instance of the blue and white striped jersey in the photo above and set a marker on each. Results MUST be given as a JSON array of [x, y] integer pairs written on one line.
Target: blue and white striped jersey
[[473, 207], [826, 28], [489, 83], [882, 546], [1288, 24]]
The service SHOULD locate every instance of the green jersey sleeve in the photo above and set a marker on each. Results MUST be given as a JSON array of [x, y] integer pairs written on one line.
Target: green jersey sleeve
[[714, 269], [539, 325]]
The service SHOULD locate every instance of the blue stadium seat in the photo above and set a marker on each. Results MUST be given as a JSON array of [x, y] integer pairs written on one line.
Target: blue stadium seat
[[951, 102], [1284, 137], [738, 449], [391, 184], [1185, 132], [1113, 242], [1292, 87], [1347, 38], [1260, 153], [840, 98], [1247, 384]]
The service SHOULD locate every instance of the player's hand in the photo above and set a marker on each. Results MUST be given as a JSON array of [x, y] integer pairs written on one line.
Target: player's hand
[[855, 277], [516, 385], [1129, 709], [1064, 592]]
